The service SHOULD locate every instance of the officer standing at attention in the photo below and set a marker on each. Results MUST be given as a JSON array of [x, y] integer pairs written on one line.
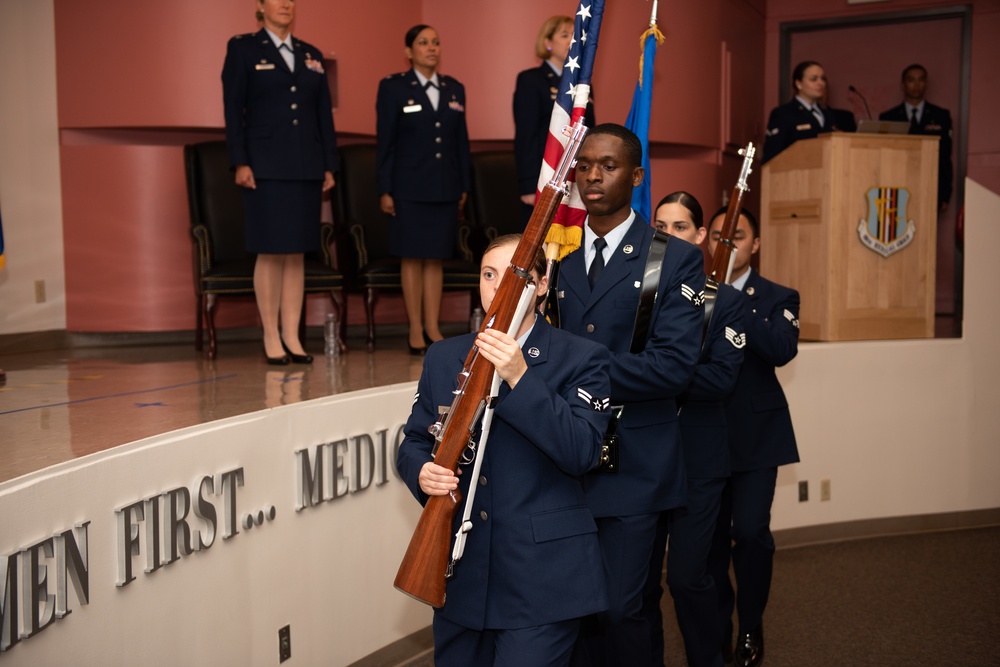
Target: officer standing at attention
[[925, 118], [598, 296], [423, 176], [706, 457], [283, 149], [534, 95], [760, 439]]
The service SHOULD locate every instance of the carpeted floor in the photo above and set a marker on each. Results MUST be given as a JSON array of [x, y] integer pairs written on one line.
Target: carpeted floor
[[928, 599]]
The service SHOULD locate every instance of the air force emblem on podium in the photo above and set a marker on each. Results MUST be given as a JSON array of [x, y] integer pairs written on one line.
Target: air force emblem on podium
[[886, 229]]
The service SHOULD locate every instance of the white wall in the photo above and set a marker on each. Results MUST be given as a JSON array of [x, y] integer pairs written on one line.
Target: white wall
[[326, 570], [30, 195], [903, 428]]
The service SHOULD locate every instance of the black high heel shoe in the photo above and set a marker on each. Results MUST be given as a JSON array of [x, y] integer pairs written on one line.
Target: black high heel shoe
[[283, 360], [296, 358], [417, 351]]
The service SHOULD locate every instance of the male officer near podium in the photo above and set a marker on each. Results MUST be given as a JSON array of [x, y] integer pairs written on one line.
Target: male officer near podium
[[925, 118]]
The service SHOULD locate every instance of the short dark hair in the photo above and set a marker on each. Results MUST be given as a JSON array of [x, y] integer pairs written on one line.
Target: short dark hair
[[754, 225], [411, 34], [688, 201], [800, 69], [633, 148], [909, 68]]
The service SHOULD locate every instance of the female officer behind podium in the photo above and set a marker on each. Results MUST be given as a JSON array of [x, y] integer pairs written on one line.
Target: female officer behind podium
[[801, 117], [423, 172], [283, 148], [532, 565]]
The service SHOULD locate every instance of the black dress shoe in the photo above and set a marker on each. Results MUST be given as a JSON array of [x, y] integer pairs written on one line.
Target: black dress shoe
[[297, 358], [417, 351], [749, 648]]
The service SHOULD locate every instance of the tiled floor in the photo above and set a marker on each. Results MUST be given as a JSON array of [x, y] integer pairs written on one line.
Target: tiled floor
[[59, 405]]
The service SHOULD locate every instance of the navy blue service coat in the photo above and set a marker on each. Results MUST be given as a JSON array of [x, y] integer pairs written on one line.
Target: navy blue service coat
[[791, 122], [935, 121], [423, 154], [532, 557], [757, 416], [278, 122], [703, 417], [651, 475], [534, 96]]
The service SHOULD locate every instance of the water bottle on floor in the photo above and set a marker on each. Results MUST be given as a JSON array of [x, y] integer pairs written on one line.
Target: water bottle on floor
[[330, 327]]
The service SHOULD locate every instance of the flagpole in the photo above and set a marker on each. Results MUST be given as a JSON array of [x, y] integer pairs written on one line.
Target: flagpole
[[652, 18]]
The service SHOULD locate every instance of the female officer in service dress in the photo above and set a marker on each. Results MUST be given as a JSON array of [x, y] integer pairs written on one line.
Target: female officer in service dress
[[423, 174], [282, 146], [532, 565], [533, 99], [801, 117]]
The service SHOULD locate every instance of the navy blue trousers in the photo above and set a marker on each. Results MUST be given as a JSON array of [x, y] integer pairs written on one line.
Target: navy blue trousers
[[620, 636], [690, 529], [743, 534], [458, 646]]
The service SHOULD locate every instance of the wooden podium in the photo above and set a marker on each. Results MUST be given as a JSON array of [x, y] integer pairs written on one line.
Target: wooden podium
[[850, 221]]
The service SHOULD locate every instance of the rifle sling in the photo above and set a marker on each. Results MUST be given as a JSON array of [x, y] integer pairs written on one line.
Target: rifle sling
[[711, 293], [647, 294]]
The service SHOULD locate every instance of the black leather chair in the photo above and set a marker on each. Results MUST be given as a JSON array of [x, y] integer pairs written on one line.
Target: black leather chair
[[222, 266], [495, 203], [376, 270]]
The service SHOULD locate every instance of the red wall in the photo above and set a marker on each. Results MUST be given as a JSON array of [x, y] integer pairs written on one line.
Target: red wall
[[136, 66]]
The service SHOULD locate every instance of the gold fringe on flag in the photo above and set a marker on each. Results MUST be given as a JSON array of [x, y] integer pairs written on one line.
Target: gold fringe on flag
[[655, 31]]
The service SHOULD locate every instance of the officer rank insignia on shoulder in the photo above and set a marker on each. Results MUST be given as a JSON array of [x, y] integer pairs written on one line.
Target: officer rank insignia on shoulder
[[596, 404], [696, 298], [791, 318], [739, 340]]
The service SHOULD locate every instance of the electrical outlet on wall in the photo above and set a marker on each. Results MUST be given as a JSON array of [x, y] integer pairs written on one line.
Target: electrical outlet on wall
[[803, 491], [824, 489], [284, 643], [39, 291]]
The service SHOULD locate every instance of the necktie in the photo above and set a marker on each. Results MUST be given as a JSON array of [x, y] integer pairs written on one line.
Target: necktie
[[597, 265], [818, 114], [288, 56], [914, 121], [429, 84]]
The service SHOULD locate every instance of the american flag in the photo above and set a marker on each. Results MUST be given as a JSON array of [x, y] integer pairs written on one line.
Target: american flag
[[566, 231]]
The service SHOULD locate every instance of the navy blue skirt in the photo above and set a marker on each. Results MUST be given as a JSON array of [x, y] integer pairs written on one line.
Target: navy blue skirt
[[423, 230], [283, 216]]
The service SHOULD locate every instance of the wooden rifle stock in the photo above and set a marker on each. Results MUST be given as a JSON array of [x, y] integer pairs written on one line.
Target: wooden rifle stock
[[426, 565], [723, 257]]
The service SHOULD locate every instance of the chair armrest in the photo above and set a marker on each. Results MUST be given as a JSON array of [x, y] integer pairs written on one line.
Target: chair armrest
[[357, 232], [325, 241], [203, 240]]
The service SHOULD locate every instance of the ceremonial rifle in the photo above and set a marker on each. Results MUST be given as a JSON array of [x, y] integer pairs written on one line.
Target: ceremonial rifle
[[426, 565], [725, 250]]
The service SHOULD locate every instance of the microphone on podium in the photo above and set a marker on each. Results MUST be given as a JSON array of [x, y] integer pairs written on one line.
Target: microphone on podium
[[855, 91]]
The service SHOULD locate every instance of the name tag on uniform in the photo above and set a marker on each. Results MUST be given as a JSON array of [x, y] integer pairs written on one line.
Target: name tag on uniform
[[804, 126], [265, 66], [413, 108]]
